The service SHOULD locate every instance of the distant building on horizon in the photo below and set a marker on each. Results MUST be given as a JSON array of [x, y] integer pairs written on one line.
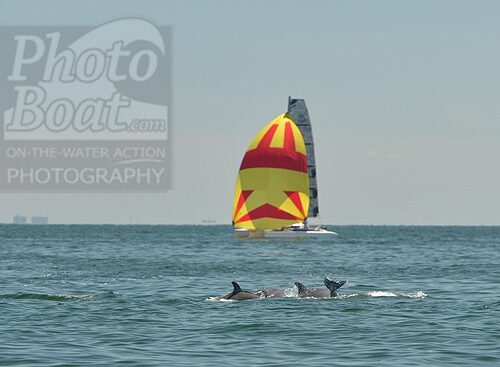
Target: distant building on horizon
[[208, 221], [39, 220], [19, 219]]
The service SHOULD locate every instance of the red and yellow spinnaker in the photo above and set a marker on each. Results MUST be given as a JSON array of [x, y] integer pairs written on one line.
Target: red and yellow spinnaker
[[272, 189]]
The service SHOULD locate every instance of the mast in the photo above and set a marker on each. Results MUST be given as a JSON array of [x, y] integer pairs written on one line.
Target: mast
[[298, 112]]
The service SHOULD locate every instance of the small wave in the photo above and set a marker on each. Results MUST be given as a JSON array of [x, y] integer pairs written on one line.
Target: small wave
[[343, 296], [418, 294], [108, 294], [54, 297], [382, 294], [219, 299], [377, 294], [289, 293]]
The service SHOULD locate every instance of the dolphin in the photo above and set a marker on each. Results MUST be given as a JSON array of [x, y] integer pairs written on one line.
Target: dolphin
[[239, 294], [332, 286], [270, 292]]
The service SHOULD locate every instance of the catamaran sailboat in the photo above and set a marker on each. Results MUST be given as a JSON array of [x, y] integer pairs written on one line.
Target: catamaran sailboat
[[276, 189]]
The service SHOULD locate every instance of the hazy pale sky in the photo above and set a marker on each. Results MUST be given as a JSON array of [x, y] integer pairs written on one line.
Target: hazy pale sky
[[404, 99]]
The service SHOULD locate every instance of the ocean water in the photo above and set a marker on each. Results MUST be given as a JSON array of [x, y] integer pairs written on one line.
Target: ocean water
[[143, 296]]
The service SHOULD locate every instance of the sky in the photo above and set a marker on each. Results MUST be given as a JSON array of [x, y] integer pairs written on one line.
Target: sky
[[403, 98]]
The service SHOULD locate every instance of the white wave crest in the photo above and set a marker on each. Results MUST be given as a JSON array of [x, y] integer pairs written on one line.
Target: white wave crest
[[291, 292], [418, 294], [219, 299], [381, 294]]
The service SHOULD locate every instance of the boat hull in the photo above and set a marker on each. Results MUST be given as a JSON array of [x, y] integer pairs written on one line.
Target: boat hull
[[244, 233]]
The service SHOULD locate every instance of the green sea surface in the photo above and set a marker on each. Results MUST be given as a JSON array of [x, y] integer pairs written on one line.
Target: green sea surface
[[103, 295]]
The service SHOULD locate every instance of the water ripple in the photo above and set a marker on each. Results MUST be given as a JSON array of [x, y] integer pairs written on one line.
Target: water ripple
[[141, 295]]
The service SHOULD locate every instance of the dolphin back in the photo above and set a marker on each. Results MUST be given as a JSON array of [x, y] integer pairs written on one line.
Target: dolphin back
[[239, 294]]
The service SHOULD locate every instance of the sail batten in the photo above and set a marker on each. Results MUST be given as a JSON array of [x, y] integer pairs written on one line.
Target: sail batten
[[272, 188]]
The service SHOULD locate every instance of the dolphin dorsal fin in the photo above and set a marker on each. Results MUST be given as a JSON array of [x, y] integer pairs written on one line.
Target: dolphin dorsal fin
[[237, 289], [301, 287]]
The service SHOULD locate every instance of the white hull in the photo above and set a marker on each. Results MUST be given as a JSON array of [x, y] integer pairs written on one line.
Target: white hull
[[244, 233]]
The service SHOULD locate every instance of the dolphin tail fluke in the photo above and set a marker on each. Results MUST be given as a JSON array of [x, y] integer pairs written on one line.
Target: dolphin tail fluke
[[333, 285]]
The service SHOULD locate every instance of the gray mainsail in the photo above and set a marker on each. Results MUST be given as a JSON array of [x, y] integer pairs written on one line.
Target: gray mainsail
[[298, 112]]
